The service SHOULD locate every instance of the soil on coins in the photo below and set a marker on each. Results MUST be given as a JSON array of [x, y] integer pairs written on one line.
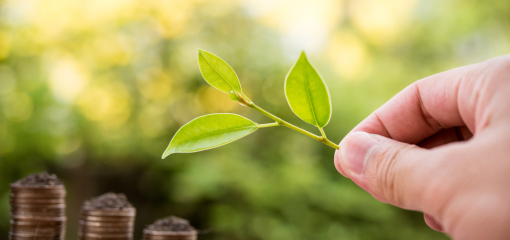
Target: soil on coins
[[108, 201], [39, 180]]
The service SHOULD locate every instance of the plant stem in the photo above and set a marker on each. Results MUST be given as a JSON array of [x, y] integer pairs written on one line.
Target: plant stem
[[281, 122], [264, 125], [322, 132]]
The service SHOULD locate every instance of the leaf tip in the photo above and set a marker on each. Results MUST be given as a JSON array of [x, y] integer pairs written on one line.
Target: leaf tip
[[167, 153], [202, 51], [303, 54]]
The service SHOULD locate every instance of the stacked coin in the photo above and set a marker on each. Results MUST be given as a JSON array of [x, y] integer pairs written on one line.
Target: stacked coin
[[165, 235], [37, 212], [106, 223], [170, 228]]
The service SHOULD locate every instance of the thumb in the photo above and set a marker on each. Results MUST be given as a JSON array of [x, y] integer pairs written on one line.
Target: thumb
[[392, 171]]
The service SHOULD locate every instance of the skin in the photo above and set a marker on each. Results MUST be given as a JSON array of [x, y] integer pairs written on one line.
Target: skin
[[442, 147]]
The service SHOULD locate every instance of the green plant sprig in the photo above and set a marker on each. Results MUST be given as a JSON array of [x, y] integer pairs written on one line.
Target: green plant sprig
[[280, 122], [306, 93]]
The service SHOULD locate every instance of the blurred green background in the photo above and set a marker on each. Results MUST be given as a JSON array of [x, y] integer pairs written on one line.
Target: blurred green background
[[94, 90]]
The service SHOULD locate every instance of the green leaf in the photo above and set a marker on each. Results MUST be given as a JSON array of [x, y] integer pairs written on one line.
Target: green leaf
[[208, 132], [307, 93], [217, 72]]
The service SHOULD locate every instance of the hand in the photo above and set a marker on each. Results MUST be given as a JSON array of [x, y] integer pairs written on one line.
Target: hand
[[442, 147]]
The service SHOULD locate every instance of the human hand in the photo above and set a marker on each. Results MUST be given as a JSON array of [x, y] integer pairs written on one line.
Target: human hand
[[442, 147]]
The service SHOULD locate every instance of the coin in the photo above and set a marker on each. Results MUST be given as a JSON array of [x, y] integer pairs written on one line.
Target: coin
[[28, 193], [38, 213], [38, 206], [33, 234], [125, 212], [37, 193], [107, 219], [104, 238], [38, 238], [149, 237], [106, 224], [176, 237], [107, 235], [53, 230], [36, 223], [106, 229], [26, 188], [169, 235], [42, 211], [39, 218], [49, 201]]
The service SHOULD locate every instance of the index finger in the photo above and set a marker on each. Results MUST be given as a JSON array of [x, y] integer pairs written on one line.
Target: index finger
[[427, 106]]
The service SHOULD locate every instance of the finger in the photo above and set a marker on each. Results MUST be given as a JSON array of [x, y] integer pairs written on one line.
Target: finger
[[446, 136], [432, 223], [428, 106], [393, 172]]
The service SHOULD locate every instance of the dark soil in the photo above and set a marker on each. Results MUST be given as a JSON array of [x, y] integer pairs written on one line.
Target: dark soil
[[39, 179], [171, 224], [108, 201]]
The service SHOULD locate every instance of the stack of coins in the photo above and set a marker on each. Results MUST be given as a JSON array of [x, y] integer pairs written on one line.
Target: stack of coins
[[107, 217], [38, 208], [170, 228]]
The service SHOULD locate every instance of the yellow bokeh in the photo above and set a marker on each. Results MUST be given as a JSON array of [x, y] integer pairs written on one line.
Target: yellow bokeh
[[152, 120], [381, 21], [5, 45], [170, 21], [107, 102], [286, 14], [67, 78], [7, 80], [155, 84], [214, 101], [111, 50], [303, 24], [348, 55], [53, 19], [97, 12], [67, 146], [184, 109]]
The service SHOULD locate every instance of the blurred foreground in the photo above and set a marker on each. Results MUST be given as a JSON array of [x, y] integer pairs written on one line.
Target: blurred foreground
[[94, 90]]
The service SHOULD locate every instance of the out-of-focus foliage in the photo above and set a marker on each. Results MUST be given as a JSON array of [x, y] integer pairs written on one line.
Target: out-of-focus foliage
[[94, 90]]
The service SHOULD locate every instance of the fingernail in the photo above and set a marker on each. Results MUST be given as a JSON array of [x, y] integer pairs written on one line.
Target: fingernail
[[354, 149]]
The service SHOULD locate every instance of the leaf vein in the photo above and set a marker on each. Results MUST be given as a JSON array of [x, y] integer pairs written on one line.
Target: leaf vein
[[214, 133], [217, 71], [310, 102]]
